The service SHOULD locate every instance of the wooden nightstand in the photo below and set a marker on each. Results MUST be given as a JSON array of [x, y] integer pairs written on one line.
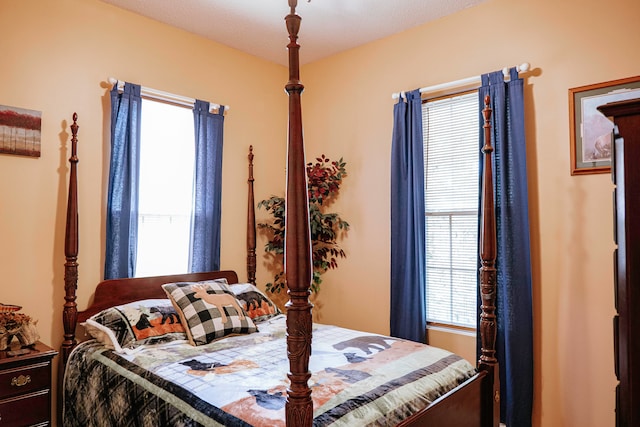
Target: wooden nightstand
[[25, 386]]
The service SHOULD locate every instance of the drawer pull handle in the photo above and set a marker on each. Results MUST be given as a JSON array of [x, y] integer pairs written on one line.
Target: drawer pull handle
[[21, 380]]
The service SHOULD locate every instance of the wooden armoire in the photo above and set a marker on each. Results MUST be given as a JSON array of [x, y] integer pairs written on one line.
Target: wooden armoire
[[625, 172]]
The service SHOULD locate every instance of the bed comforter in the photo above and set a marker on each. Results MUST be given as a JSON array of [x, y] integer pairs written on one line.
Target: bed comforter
[[358, 379]]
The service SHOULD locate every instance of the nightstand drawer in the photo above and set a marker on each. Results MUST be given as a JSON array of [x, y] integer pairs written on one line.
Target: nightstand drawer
[[26, 410], [25, 385], [25, 379]]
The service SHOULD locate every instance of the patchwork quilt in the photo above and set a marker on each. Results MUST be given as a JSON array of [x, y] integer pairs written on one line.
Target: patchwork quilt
[[358, 379]]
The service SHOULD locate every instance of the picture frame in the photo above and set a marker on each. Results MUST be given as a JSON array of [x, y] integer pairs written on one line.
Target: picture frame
[[591, 132], [20, 131]]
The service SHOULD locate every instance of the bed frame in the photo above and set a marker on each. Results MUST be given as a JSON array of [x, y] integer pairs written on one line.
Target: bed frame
[[474, 403]]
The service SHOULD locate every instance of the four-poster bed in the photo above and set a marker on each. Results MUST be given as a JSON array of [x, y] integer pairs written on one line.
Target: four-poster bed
[[349, 371]]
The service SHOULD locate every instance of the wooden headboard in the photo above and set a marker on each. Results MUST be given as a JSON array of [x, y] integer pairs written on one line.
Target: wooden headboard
[[114, 292]]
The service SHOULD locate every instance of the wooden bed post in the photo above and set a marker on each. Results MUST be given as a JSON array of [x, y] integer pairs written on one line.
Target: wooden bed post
[[297, 252], [70, 312], [488, 325], [251, 225]]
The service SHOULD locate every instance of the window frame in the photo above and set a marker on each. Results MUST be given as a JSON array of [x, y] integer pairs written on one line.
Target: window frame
[[439, 322]]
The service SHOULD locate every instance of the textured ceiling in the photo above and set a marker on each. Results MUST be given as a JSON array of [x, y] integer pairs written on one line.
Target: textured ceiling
[[328, 26]]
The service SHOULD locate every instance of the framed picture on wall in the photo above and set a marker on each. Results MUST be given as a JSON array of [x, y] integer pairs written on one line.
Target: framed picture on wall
[[592, 132], [20, 131]]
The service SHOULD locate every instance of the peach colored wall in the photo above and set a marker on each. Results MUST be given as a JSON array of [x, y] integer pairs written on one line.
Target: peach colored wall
[[56, 58], [459, 342], [348, 112]]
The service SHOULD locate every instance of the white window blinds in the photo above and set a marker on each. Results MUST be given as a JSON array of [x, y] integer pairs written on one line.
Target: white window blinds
[[451, 153]]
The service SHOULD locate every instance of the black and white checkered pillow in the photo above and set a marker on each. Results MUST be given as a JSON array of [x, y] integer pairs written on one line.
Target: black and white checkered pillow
[[209, 310]]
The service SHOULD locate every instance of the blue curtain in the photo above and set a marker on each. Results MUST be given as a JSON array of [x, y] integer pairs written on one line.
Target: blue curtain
[[124, 170], [514, 343], [205, 222], [408, 305]]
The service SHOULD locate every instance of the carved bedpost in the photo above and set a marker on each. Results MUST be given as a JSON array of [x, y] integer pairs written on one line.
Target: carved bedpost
[[488, 325], [298, 266], [70, 312], [251, 225]]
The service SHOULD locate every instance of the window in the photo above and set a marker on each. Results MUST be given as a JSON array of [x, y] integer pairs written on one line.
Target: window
[[451, 153], [167, 153]]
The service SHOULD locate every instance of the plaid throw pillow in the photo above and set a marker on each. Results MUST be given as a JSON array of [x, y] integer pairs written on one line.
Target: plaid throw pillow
[[209, 310]]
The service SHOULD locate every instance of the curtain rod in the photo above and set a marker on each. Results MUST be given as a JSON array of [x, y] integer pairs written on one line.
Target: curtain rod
[[462, 82], [165, 96]]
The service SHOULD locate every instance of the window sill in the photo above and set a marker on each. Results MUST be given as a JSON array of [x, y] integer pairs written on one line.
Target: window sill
[[451, 330]]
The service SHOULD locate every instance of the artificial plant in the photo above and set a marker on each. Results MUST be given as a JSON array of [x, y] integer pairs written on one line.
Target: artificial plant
[[324, 180]]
